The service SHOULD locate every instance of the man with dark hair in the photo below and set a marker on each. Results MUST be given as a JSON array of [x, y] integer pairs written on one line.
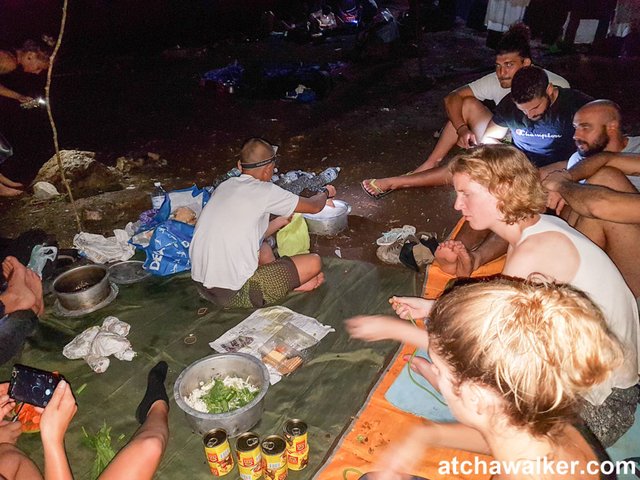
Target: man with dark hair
[[468, 113], [539, 116], [232, 264]]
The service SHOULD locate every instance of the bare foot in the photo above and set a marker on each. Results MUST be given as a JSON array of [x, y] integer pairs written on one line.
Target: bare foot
[[447, 257], [35, 285], [9, 192], [464, 265], [376, 186], [454, 258], [312, 284], [424, 368], [17, 296], [10, 183]]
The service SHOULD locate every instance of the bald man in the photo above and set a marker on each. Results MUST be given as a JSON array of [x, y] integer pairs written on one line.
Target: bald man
[[598, 131], [230, 261]]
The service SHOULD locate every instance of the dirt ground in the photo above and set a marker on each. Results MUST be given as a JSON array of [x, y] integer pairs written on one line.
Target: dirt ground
[[378, 119]]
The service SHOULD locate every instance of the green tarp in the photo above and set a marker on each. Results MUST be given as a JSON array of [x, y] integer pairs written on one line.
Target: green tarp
[[326, 392]]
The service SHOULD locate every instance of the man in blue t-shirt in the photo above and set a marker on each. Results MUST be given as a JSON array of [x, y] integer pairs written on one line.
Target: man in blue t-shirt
[[539, 117]]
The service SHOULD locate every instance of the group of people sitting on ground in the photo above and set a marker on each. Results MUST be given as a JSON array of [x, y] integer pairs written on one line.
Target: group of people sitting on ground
[[502, 193], [540, 363]]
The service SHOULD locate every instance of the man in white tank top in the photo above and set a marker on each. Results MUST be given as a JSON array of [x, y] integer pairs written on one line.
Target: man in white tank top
[[498, 189]]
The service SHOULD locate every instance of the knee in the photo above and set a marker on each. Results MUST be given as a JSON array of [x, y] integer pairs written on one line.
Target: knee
[[315, 262], [471, 105], [153, 446], [612, 178]]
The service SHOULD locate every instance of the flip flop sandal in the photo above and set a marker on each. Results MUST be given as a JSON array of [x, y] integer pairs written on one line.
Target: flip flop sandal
[[379, 192]]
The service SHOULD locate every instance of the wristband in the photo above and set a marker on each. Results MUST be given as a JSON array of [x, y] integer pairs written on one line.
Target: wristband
[[463, 125]]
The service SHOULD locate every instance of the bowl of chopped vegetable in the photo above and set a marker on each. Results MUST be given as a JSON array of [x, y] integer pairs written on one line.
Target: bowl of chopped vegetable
[[223, 391]]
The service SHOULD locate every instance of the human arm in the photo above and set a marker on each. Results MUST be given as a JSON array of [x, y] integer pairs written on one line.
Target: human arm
[[276, 224], [627, 163], [56, 417], [317, 202], [402, 457], [595, 201], [9, 431], [411, 308], [7, 92], [453, 106], [373, 328], [492, 247], [494, 133]]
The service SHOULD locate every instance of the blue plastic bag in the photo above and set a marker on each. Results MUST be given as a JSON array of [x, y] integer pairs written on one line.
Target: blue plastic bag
[[168, 249]]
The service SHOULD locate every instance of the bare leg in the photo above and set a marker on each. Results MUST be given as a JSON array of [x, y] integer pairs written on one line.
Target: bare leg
[[618, 240], [9, 192], [429, 174], [15, 465], [140, 458], [266, 254], [312, 284], [9, 183], [34, 283], [309, 268], [475, 114], [18, 295]]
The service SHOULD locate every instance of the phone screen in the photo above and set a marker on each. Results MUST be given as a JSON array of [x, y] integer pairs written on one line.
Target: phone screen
[[32, 385]]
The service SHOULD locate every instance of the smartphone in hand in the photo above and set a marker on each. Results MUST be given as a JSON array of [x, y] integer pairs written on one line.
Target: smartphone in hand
[[32, 385]]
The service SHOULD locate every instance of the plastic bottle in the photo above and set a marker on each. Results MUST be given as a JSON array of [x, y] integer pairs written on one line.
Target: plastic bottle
[[329, 175], [157, 196], [234, 172]]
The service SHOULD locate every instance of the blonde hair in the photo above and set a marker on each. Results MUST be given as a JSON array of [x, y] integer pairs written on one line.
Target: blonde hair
[[508, 175], [538, 345]]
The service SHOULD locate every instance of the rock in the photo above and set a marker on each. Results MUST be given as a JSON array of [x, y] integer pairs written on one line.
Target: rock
[[86, 176], [44, 191], [93, 215]]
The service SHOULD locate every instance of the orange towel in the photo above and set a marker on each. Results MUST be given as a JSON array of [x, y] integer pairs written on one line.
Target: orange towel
[[437, 280], [380, 424]]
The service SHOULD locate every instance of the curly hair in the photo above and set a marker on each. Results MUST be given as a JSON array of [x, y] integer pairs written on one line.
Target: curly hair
[[516, 39], [42, 51], [508, 175], [539, 346]]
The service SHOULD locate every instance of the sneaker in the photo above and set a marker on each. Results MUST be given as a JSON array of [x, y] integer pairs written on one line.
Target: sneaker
[[390, 237], [391, 253]]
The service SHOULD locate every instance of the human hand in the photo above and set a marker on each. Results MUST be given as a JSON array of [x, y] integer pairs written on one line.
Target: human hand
[[57, 415], [554, 180], [466, 138], [331, 190], [411, 308], [283, 221], [555, 202], [371, 328], [24, 98], [9, 431]]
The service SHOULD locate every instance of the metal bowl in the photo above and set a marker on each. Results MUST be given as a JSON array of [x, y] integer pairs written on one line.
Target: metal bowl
[[82, 287], [221, 365], [330, 220]]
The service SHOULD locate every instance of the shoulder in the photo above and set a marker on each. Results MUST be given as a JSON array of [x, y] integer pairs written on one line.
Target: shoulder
[[573, 97], [8, 62], [506, 109], [557, 80]]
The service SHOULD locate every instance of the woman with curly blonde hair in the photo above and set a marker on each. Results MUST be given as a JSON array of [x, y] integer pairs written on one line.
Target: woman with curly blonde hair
[[498, 189], [513, 360]]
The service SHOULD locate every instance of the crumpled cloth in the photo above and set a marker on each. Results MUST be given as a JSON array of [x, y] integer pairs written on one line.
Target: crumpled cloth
[[100, 249], [95, 344]]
